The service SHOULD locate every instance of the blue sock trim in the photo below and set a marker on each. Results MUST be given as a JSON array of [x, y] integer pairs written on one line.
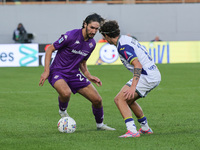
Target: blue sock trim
[[129, 119], [142, 119]]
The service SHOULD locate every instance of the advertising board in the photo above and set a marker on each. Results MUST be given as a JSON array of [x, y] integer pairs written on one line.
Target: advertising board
[[16, 55]]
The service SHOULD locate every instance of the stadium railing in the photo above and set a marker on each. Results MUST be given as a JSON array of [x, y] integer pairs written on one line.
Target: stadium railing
[[13, 2]]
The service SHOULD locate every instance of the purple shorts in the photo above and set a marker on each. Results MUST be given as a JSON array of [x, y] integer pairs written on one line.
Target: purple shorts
[[75, 81]]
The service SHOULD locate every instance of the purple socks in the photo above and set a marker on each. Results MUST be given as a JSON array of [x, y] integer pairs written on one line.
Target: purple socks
[[98, 113], [62, 106]]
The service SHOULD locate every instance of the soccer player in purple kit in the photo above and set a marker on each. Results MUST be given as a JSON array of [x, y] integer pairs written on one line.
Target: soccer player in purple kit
[[73, 49]]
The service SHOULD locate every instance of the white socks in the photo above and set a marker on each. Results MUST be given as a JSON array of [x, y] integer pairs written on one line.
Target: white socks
[[130, 125]]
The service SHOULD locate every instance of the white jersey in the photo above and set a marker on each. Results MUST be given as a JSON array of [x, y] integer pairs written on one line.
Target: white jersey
[[130, 49]]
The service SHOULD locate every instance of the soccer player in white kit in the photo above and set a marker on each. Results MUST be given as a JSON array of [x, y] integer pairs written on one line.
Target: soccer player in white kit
[[146, 77]]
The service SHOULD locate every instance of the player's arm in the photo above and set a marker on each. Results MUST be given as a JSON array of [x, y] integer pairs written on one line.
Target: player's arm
[[136, 76], [129, 54], [48, 55], [85, 71]]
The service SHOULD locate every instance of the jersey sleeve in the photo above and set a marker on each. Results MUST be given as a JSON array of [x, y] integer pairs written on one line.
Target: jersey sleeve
[[127, 52], [86, 58], [62, 41]]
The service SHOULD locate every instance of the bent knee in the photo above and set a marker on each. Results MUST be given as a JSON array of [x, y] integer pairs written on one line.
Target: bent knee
[[97, 102], [116, 100], [65, 94]]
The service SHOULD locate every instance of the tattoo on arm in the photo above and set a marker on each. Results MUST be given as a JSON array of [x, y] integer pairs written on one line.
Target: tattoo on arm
[[137, 73]]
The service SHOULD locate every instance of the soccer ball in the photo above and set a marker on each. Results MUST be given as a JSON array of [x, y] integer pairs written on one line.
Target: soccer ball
[[67, 125]]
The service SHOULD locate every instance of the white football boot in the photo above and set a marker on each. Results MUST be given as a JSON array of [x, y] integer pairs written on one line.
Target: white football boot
[[63, 113], [105, 127]]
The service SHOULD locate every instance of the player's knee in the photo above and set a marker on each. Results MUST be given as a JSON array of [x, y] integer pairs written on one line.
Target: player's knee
[[65, 94], [97, 102], [116, 100]]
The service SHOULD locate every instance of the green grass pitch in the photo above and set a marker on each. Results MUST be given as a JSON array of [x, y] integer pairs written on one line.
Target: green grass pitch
[[29, 113]]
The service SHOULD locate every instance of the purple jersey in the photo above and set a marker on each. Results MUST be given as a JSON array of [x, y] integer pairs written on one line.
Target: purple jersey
[[72, 50]]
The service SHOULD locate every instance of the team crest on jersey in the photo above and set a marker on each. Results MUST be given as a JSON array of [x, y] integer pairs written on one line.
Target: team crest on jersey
[[91, 45]]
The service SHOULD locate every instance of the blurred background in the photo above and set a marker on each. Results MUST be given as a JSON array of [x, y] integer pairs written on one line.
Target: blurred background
[[171, 20], [175, 24]]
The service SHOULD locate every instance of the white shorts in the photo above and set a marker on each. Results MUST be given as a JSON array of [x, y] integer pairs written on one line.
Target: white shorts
[[143, 87]]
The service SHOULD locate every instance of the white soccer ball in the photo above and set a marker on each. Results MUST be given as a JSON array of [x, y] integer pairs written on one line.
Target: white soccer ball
[[67, 125]]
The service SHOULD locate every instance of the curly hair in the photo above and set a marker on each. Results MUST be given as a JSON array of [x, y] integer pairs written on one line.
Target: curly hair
[[93, 18], [110, 28]]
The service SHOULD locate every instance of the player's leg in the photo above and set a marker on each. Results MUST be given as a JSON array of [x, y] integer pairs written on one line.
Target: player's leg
[[143, 88], [93, 96], [64, 96], [137, 110], [123, 106]]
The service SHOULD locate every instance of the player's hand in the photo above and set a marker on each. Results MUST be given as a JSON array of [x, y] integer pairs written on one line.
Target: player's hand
[[43, 77], [96, 80], [129, 93]]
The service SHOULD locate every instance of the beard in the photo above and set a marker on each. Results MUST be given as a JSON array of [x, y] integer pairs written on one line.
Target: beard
[[89, 36]]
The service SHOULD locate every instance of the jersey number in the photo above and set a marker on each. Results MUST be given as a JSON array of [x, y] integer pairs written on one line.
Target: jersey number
[[144, 50], [80, 77]]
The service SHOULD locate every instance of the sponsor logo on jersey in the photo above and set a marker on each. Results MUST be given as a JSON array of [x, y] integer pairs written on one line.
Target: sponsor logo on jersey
[[79, 52], [153, 67]]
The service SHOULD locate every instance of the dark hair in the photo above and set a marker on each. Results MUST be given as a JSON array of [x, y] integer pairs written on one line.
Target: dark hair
[[110, 28], [93, 18]]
